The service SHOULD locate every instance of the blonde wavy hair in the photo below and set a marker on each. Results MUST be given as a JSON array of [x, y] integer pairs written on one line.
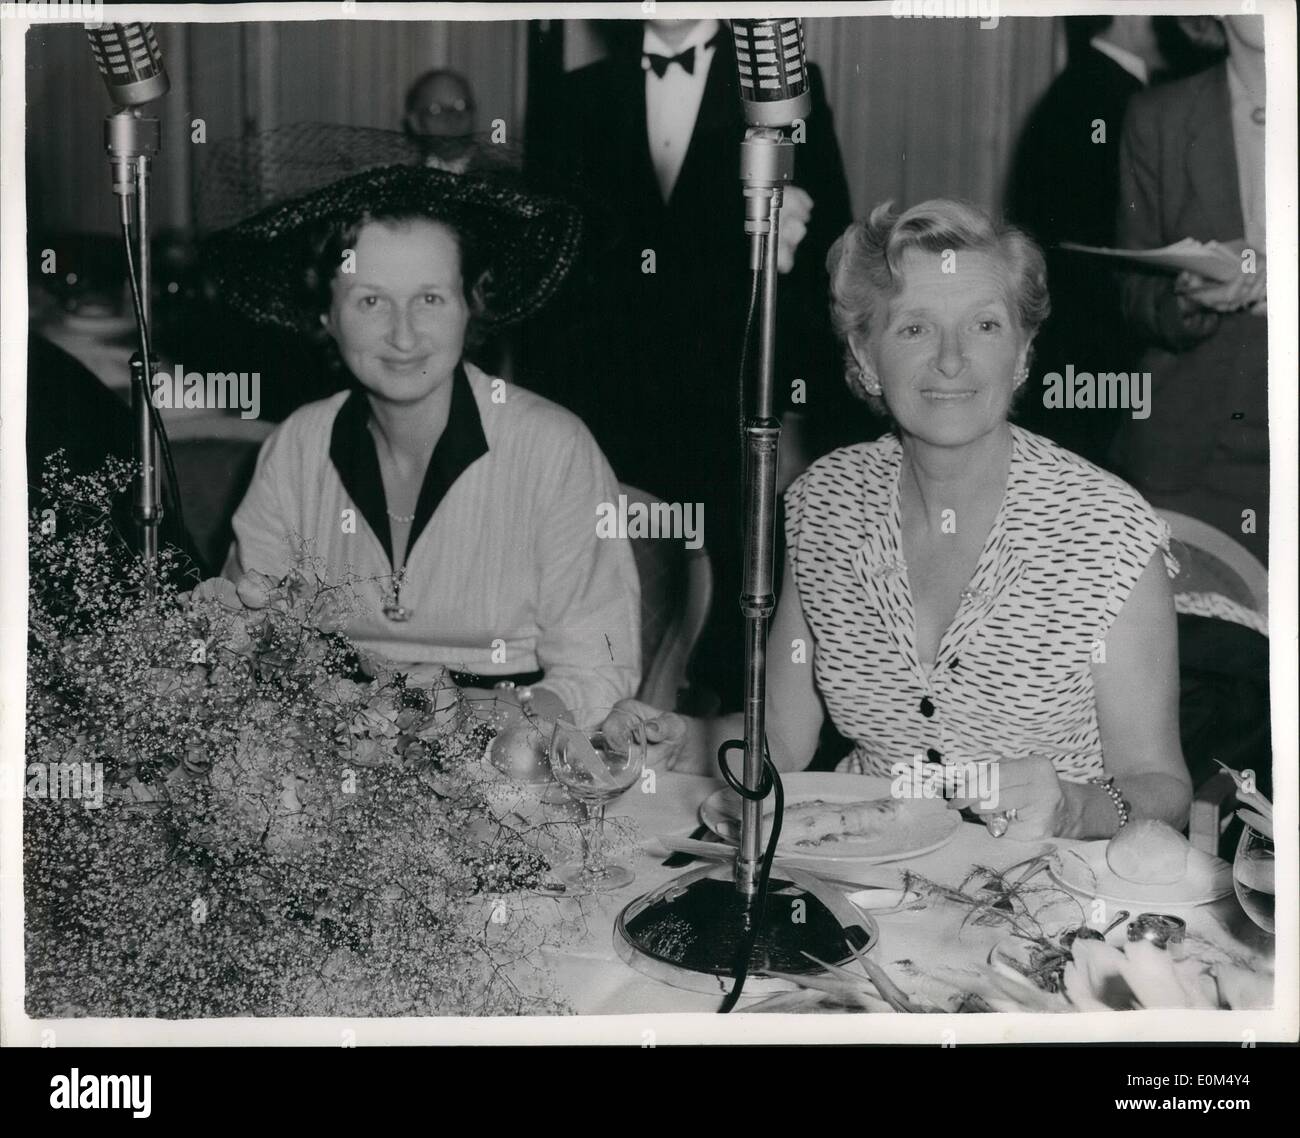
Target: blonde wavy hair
[[864, 267]]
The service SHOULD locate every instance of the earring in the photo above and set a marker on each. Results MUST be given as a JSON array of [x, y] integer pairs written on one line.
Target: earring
[[1022, 374], [870, 382]]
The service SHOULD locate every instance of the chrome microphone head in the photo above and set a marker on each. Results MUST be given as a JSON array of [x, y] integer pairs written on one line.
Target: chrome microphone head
[[772, 66], [129, 59]]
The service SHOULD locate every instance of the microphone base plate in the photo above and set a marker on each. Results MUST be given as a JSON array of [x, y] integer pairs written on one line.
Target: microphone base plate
[[688, 932]]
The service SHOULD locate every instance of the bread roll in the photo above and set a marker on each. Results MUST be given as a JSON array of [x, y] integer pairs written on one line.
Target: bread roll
[[1148, 852]]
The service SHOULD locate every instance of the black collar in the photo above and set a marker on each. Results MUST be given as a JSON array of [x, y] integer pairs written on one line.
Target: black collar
[[352, 450]]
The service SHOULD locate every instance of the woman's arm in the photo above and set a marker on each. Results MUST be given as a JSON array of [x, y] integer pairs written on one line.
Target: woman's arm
[[1137, 714], [264, 522], [794, 710], [588, 609]]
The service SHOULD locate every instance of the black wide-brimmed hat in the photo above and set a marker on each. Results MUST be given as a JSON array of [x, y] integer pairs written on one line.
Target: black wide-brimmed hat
[[264, 195]]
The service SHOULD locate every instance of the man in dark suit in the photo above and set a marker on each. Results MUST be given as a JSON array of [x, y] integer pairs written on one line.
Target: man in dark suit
[[1064, 187], [1204, 449], [1192, 165], [646, 344]]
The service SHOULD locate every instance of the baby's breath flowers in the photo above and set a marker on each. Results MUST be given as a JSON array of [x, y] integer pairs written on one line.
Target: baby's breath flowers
[[279, 833]]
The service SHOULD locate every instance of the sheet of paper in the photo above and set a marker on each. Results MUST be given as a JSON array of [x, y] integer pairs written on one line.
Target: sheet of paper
[[1212, 260]]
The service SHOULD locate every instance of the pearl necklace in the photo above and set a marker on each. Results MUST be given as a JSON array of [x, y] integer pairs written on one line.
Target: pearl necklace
[[401, 519]]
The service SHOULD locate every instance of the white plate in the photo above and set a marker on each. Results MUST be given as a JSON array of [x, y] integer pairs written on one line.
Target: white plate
[[1083, 869], [921, 826]]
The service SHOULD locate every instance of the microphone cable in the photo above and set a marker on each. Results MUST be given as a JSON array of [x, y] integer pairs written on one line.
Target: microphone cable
[[146, 346], [770, 783], [742, 387]]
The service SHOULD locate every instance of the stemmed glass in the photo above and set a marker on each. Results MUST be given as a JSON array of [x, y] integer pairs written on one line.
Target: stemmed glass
[[597, 753], [1252, 877]]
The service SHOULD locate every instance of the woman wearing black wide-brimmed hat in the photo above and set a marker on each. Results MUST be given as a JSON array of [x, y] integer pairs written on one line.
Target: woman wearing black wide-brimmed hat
[[465, 506]]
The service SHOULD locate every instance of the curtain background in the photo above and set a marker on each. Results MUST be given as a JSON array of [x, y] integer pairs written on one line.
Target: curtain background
[[243, 78], [930, 108], [922, 107]]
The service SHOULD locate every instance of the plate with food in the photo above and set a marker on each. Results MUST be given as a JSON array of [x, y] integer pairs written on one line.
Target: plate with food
[[1147, 862], [842, 817]]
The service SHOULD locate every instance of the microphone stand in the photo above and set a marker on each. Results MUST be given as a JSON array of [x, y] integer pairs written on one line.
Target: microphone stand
[[766, 164], [702, 927], [132, 141]]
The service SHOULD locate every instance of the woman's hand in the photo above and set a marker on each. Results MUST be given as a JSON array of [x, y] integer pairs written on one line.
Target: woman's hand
[[256, 590], [1032, 789], [216, 589], [666, 735]]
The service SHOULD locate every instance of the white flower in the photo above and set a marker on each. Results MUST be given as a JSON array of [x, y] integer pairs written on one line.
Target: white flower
[[1102, 978]]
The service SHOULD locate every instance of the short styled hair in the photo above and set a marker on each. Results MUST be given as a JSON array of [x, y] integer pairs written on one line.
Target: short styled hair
[[864, 267]]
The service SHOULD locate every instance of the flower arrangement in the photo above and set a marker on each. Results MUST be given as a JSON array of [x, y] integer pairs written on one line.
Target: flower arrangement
[[284, 827]]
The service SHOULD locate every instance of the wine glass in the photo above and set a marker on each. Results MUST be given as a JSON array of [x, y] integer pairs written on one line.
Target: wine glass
[[597, 753], [1252, 877]]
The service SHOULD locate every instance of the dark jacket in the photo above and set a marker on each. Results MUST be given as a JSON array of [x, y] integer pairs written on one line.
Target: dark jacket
[[1065, 187], [650, 359], [1204, 450]]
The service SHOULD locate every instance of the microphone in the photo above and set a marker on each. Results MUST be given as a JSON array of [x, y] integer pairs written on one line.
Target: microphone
[[773, 71], [130, 62], [709, 923]]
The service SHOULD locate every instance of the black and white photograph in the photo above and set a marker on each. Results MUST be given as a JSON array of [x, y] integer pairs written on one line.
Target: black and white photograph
[[576, 524]]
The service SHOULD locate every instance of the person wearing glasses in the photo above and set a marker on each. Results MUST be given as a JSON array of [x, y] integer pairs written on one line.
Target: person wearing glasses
[[440, 118]]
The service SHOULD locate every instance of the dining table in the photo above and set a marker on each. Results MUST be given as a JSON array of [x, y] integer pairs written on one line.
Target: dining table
[[926, 950]]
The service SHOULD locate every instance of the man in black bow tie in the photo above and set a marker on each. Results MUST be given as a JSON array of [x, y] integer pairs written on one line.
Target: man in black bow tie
[[646, 345]]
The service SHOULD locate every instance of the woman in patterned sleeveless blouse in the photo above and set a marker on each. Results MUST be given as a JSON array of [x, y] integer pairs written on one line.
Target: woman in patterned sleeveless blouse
[[962, 589]]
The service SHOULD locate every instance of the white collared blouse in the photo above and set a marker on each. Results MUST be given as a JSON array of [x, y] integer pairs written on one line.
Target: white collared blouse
[[1013, 673], [505, 573]]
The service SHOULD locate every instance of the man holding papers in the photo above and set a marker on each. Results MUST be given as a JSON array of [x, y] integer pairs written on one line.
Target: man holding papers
[[1192, 166]]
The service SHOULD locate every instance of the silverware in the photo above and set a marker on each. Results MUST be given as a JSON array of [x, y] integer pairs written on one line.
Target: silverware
[[1083, 932], [681, 857], [722, 851]]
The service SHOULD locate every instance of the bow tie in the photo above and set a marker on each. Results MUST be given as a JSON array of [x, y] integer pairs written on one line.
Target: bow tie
[[659, 64]]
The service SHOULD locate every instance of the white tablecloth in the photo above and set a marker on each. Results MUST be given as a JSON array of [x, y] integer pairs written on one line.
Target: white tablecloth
[[913, 945]]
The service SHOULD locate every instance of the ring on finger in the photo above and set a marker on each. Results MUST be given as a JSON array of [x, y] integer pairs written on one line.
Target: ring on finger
[[999, 823]]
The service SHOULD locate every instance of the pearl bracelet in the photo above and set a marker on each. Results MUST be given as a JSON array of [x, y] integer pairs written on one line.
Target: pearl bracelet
[[1121, 804]]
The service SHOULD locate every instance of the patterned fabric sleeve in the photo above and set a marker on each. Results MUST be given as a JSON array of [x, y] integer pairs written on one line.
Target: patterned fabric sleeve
[[796, 497], [1139, 532]]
